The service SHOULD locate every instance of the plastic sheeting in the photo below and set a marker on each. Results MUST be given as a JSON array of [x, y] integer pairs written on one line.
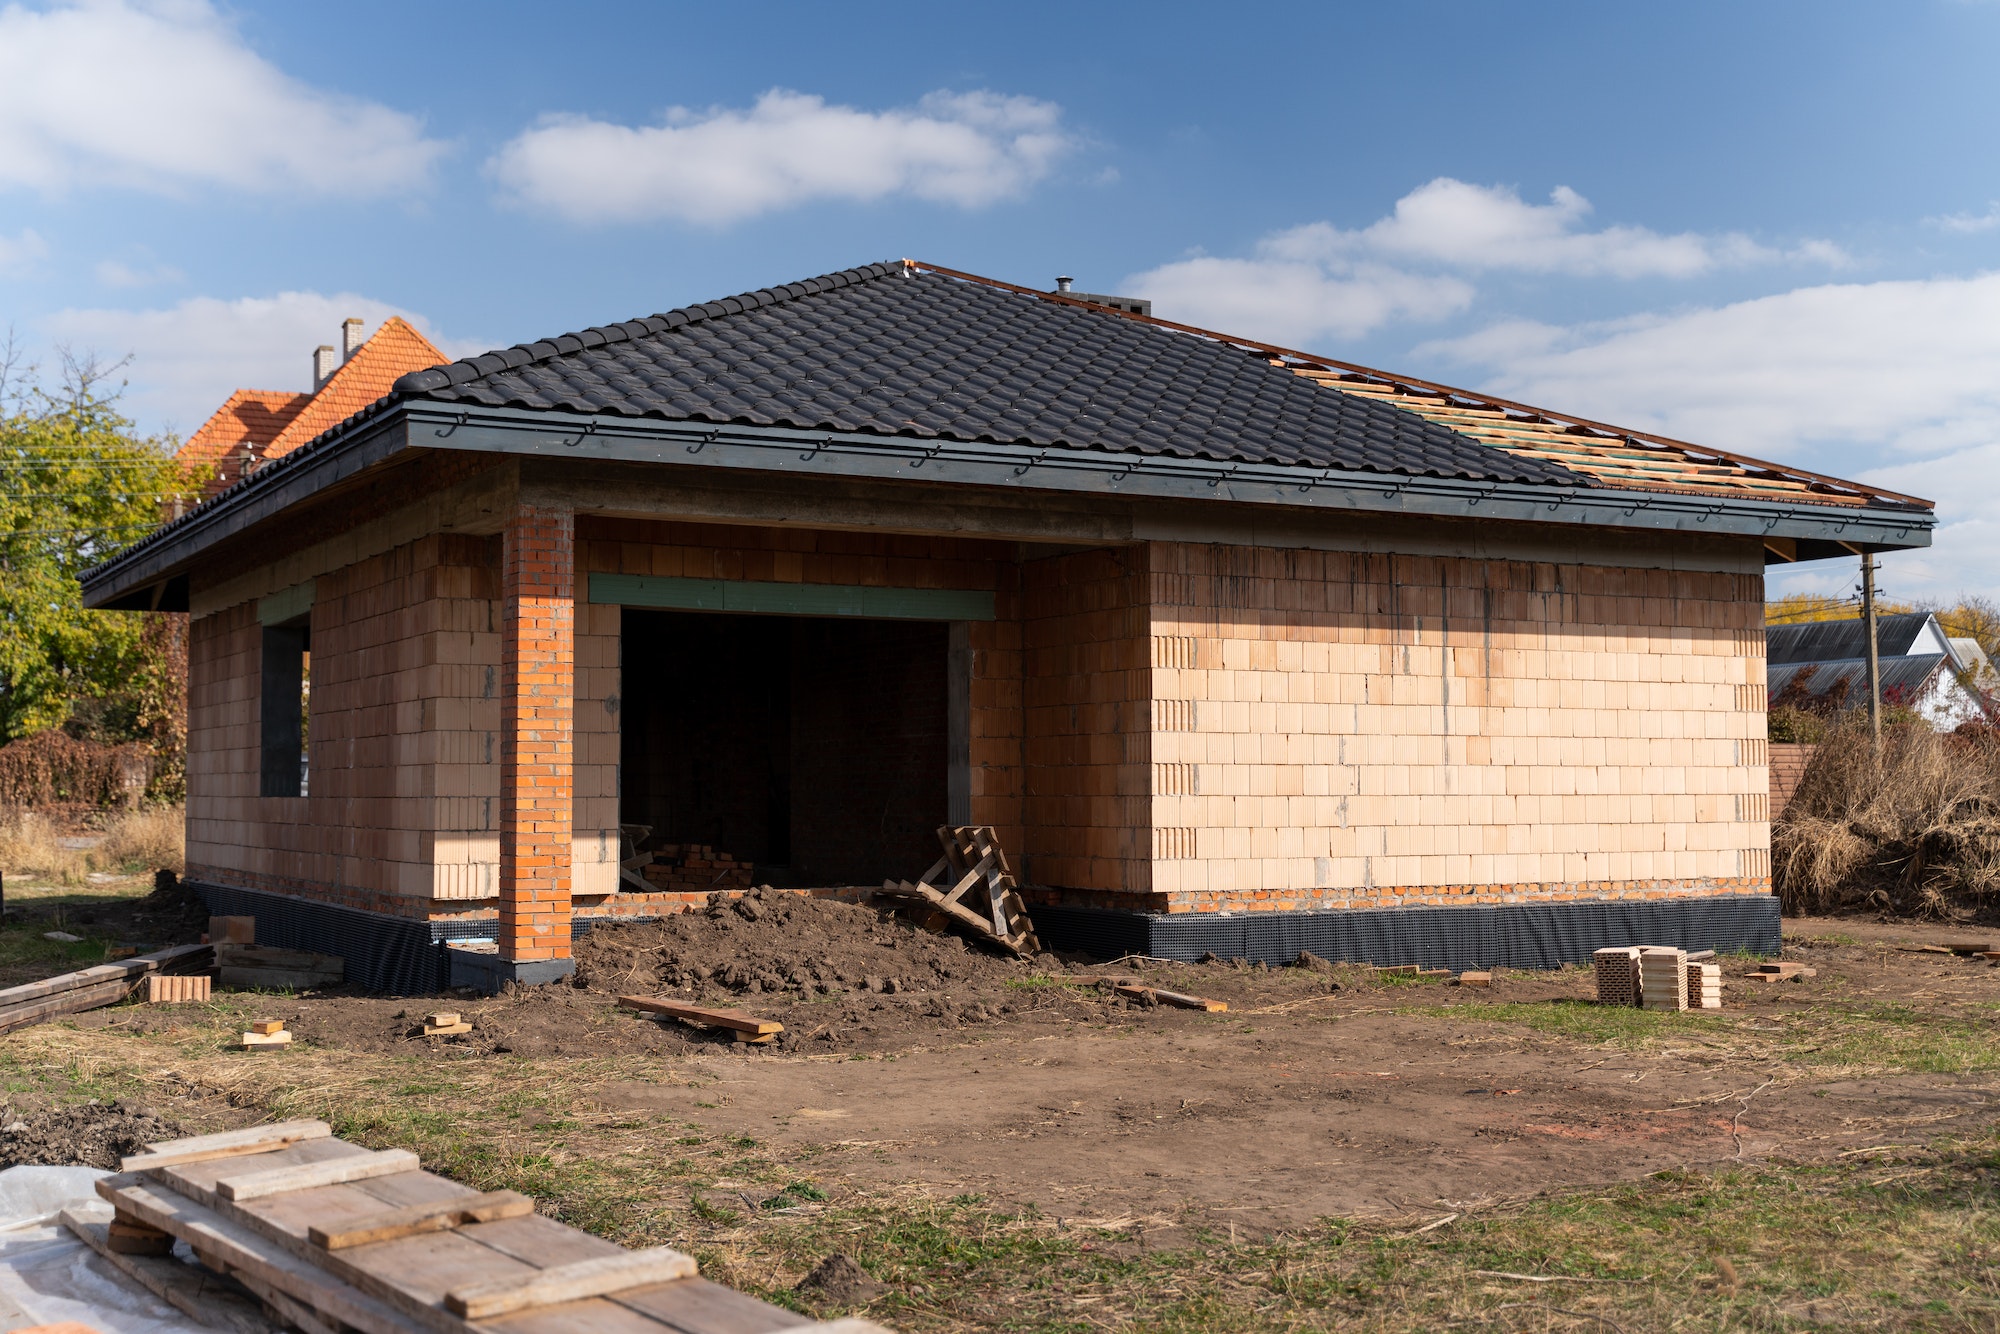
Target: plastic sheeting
[[48, 1276]]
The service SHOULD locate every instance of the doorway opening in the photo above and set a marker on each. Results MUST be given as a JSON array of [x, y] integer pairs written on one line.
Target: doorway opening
[[783, 750]]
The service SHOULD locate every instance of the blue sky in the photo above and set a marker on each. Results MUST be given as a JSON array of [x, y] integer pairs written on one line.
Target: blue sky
[[1769, 227]]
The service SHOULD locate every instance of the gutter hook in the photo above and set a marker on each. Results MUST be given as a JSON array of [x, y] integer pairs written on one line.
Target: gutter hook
[[463, 417], [705, 441]]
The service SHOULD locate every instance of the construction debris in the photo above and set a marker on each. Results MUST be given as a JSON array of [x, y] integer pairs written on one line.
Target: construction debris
[[1475, 979], [443, 1024], [1657, 977], [90, 988], [973, 858], [332, 1236], [745, 1028]]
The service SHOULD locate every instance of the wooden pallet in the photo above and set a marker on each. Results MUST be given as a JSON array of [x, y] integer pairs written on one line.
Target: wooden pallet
[[972, 860], [333, 1237]]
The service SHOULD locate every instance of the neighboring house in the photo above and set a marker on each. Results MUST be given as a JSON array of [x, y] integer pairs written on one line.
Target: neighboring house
[[1238, 648], [257, 426], [1824, 665]]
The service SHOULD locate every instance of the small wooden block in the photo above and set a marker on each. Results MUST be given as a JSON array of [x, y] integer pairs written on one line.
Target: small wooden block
[[439, 1216], [1475, 979], [267, 1026], [251, 1041], [306, 1176], [445, 1030], [602, 1277], [136, 1238], [442, 1019], [234, 930], [227, 1144]]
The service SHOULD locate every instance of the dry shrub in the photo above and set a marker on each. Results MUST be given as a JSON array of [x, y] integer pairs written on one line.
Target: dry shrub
[[1918, 831], [152, 838], [141, 840], [53, 768]]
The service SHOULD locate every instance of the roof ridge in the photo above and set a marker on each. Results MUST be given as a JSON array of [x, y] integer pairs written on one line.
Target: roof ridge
[[544, 349]]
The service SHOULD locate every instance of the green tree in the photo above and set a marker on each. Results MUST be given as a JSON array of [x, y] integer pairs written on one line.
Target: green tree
[[76, 486]]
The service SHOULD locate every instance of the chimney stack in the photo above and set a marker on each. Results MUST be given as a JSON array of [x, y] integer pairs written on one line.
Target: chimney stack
[[1062, 283], [351, 336], [325, 363]]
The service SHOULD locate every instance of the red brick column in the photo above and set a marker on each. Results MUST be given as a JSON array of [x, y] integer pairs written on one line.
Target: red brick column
[[537, 704]]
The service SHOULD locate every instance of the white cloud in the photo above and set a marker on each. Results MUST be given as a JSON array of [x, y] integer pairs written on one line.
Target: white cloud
[[1967, 224], [723, 165], [1895, 383], [186, 359], [117, 273], [166, 96], [1318, 280], [23, 252], [1293, 302]]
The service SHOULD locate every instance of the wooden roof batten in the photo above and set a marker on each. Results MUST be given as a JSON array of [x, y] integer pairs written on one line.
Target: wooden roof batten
[[1350, 377]]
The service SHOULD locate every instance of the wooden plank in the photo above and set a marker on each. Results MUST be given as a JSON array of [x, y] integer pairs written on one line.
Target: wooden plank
[[212, 1299], [700, 1306], [447, 1030], [228, 1144], [412, 1219], [252, 1041], [305, 1176], [239, 1249], [267, 1026], [1180, 999], [93, 997], [178, 955], [700, 1014], [601, 1277]]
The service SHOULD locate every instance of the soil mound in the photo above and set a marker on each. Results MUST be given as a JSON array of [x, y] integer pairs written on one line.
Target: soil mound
[[772, 942], [91, 1134], [838, 1278]]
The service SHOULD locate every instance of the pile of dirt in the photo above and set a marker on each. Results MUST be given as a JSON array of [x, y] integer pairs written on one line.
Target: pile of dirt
[[772, 943], [90, 1134]]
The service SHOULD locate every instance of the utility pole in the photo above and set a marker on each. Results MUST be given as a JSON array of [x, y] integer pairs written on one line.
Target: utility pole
[[1874, 661]]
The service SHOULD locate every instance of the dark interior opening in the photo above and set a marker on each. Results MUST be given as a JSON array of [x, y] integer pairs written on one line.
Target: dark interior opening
[[813, 748]]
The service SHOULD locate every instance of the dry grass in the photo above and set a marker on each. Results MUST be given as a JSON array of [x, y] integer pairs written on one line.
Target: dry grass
[[150, 838], [1917, 831]]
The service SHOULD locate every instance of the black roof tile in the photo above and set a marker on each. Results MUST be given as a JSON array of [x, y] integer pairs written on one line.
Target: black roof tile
[[892, 352]]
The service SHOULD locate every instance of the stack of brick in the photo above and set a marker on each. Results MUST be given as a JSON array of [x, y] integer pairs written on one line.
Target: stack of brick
[[1705, 986], [1663, 978], [1617, 970], [694, 868]]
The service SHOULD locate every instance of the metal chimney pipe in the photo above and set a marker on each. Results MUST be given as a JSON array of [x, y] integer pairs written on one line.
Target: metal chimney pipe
[[1062, 283]]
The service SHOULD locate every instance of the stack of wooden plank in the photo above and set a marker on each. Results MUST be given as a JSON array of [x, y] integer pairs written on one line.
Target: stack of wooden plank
[[1617, 972], [1662, 978], [333, 1237], [265, 968], [973, 859], [91, 988]]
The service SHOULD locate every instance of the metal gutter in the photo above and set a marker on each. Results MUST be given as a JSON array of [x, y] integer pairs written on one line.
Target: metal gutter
[[420, 424]]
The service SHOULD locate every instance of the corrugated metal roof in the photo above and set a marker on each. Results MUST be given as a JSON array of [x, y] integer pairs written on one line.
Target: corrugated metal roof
[[1832, 641], [1904, 677]]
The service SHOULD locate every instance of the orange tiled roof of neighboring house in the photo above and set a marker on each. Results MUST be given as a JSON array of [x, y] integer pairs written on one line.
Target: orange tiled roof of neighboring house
[[253, 417], [274, 422], [394, 351]]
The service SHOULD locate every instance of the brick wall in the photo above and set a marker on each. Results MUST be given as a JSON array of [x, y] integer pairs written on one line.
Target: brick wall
[[1089, 722], [1788, 766], [1357, 730], [403, 721]]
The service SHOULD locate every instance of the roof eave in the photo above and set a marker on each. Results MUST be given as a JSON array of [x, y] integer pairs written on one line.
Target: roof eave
[[1816, 531]]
